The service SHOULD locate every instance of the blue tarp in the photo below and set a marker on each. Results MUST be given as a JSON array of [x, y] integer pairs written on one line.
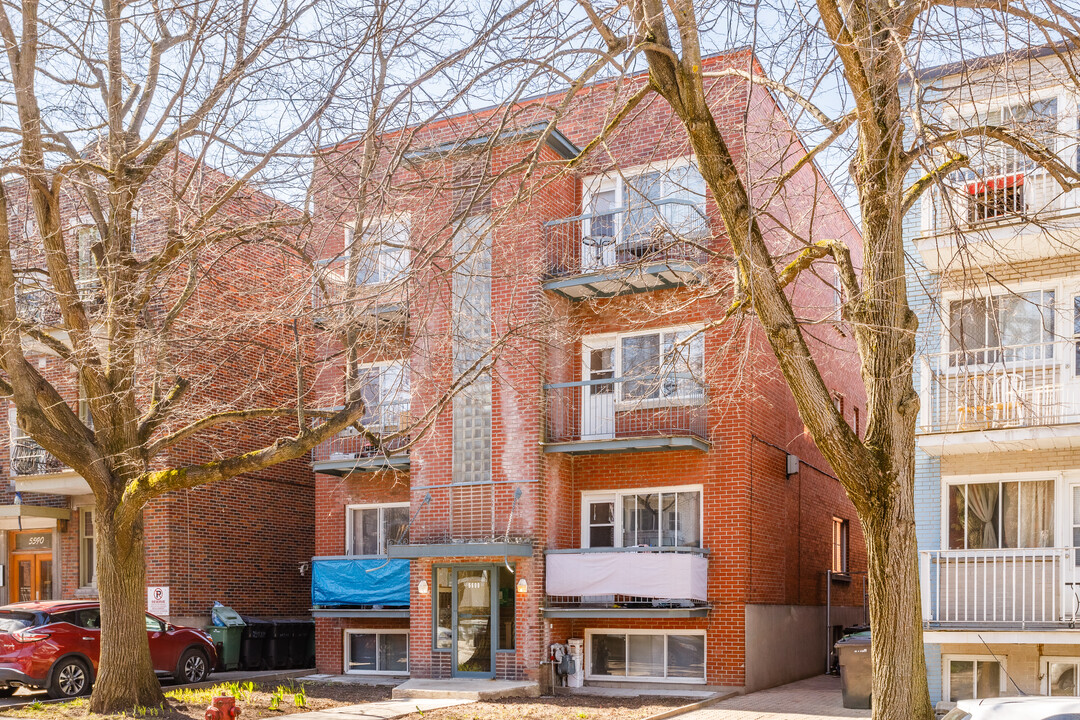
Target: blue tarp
[[346, 581]]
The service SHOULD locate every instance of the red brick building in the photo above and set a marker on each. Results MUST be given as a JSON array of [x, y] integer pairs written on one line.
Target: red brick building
[[579, 445], [245, 542]]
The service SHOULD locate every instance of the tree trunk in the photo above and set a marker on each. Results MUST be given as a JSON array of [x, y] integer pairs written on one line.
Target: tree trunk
[[127, 676]]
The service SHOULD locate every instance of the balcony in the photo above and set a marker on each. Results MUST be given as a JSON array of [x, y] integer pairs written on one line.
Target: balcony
[[630, 414], [359, 586], [370, 305], [1004, 398], [385, 448], [990, 219], [37, 303], [1007, 589], [627, 582], [35, 469], [617, 252]]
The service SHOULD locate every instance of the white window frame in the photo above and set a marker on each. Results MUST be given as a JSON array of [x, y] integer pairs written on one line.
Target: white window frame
[[83, 583], [381, 507], [645, 678], [1060, 496], [362, 369], [1044, 666], [377, 633], [399, 269], [617, 497], [594, 341], [841, 546], [946, 675]]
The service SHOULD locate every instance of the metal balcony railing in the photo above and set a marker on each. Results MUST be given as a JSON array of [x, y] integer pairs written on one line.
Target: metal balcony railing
[[672, 230], [39, 305], [1005, 587], [384, 421], [988, 197], [29, 458], [666, 405], [995, 388]]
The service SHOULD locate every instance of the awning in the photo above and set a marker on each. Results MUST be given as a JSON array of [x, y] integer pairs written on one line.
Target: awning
[[31, 517]]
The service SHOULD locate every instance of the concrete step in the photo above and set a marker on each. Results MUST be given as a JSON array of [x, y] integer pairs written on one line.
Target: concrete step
[[471, 689]]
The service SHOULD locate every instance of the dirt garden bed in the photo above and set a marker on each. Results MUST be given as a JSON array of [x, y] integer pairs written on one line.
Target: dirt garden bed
[[579, 707], [255, 701]]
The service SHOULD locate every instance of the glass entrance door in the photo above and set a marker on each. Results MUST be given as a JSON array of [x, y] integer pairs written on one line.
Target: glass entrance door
[[473, 649], [32, 579]]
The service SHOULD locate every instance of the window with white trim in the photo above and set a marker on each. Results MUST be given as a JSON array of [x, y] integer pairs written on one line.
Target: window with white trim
[[1060, 676], [387, 395], [369, 529], [667, 364], [377, 652], [840, 533], [382, 249], [87, 559], [1001, 514], [1002, 328], [973, 677], [664, 517], [676, 655]]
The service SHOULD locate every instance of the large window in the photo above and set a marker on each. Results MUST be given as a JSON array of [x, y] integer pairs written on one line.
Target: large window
[[1001, 514], [383, 250], [385, 388], [369, 529], [377, 651], [646, 655], [87, 558], [973, 677], [1010, 327], [648, 518], [659, 364]]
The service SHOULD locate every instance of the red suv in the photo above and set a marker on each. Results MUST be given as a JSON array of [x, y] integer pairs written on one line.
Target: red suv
[[55, 645]]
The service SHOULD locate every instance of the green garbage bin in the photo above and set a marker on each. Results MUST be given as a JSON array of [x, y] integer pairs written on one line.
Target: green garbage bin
[[226, 636], [856, 670]]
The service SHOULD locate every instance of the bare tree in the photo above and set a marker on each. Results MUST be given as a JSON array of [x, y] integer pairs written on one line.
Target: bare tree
[[848, 74], [154, 280]]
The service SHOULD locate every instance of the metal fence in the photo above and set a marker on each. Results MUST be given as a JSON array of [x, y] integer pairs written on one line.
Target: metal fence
[[29, 458]]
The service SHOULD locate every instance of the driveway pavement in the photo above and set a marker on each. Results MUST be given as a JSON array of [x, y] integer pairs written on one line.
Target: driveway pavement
[[816, 698]]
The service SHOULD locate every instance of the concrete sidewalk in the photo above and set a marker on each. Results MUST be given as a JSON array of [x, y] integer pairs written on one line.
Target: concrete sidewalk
[[817, 698], [379, 710]]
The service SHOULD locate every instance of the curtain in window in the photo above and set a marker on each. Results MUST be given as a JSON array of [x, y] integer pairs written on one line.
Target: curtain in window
[[982, 503], [1037, 514]]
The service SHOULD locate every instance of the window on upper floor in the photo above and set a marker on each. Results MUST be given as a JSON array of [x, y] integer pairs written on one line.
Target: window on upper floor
[[642, 213], [382, 250], [369, 529], [663, 517], [1002, 328], [1001, 514], [387, 395], [661, 364]]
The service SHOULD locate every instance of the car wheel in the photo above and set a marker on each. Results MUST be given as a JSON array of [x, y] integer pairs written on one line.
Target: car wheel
[[193, 666], [70, 678]]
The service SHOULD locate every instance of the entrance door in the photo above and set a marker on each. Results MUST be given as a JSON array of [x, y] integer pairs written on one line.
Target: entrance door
[[32, 577], [473, 645], [598, 395]]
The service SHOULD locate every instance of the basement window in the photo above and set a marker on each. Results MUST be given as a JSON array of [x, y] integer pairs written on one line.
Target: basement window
[[377, 652], [644, 655]]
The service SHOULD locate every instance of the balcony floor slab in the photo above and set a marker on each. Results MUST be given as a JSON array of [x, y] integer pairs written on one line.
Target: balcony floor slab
[[612, 282], [629, 444], [626, 613], [970, 442], [344, 468]]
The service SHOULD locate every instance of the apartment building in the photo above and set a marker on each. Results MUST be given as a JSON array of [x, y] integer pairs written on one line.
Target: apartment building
[[619, 465], [998, 457], [245, 542]]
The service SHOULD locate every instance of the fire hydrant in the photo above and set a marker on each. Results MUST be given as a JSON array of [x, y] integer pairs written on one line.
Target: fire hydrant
[[222, 708]]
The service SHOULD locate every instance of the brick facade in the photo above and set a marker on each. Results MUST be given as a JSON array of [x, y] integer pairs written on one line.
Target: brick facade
[[768, 534]]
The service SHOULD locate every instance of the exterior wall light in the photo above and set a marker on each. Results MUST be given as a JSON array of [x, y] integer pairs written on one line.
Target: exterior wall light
[[422, 587], [522, 586]]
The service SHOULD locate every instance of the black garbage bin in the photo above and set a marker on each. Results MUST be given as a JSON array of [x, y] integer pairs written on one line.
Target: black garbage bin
[[254, 644], [856, 670]]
